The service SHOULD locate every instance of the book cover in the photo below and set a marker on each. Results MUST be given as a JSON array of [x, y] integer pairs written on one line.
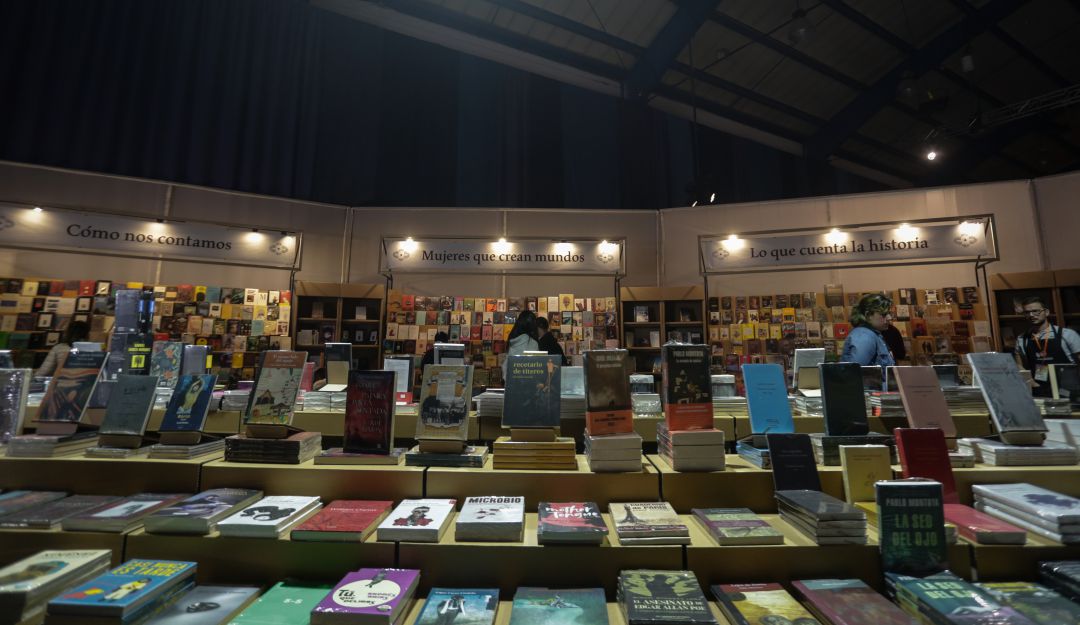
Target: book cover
[[1007, 395], [206, 605], [923, 400], [793, 464], [492, 510], [369, 412], [287, 603], [278, 381], [980, 527], [911, 526], [49, 515], [373, 593], [445, 392], [121, 590], [818, 505], [130, 403], [419, 513], [71, 388], [862, 467], [607, 392], [850, 602], [842, 400], [570, 518], [345, 516], [766, 399], [533, 392], [189, 404], [1035, 601], [646, 519], [686, 386], [16, 500], [271, 511], [46, 568], [126, 511], [923, 453], [14, 389], [957, 600], [459, 606], [209, 504], [754, 604], [649, 596], [737, 526], [165, 358], [548, 606], [1048, 505]]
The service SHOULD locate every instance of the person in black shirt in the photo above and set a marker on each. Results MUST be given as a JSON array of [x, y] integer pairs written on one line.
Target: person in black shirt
[[429, 355], [894, 340], [547, 340]]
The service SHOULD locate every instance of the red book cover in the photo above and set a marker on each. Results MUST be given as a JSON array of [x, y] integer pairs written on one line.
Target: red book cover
[[923, 453], [841, 330], [56, 288], [408, 302], [850, 602], [475, 333], [687, 390], [86, 288], [979, 527], [346, 517], [185, 293]]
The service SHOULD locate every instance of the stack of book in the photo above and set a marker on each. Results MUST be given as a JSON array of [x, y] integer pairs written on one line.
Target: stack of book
[[270, 517], [491, 519], [122, 516], [613, 452], [962, 459], [646, 405], [572, 393], [187, 452], [45, 446], [128, 593], [940, 597], [16, 500], [489, 404], [295, 449], [823, 518], [1002, 454], [570, 523], [223, 602], [1062, 575], [417, 520], [691, 450], [200, 514], [343, 521], [646, 597], [27, 585], [723, 385], [1039, 510], [324, 401], [737, 526], [649, 523], [808, 403], [827, 448], [965, 401], [1049, 407], [368, 596], [757, 456], [733, 406], [235, 400], [759, 603], [886, 405], [849, 602], [480, 604], [557, 455], [471, 456], [571, 407], [48, 516], [1035, 601], [1065, 431]]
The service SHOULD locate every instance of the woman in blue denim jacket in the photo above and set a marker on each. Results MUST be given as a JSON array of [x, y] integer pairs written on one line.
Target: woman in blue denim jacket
[[864, 345]]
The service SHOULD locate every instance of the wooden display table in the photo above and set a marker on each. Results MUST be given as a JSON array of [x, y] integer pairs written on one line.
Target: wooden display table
[[1006, 563], [536, 486], [76, 473], [16, 544], [332, 423], [508, 566], [330, 482], [263, 561]]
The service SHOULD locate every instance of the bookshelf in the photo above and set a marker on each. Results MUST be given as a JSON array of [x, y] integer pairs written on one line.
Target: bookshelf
[[1060, 289], [653, 316], [328, 312]]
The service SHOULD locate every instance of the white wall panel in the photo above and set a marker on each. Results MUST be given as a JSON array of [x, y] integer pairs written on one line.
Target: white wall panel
[[1058, 199]]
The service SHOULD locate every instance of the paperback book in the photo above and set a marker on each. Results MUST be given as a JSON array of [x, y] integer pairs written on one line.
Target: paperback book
[[206, 605], [199, 514], [367, 596], [911, 525], [14, 388], [754, 604], [130, 403], [270, 517], [607, 392], [649, 596], [49, 515], [793, 464], [189, 404], [417, 520], [287, 603], [863, 466], [491, 518], [923, 400], [767, 400], [686, 386], [71, 389], [1007, 395], [652, 522], [459, 606], [276, 386], [842, 399], [18, 500], [369, 412], [570, 522], [737, 526], [122, 516], [26, 584], [849, 602], [445, 391], [547, 606], [1035, 601], [343, 521], [124, 589], [533, 392], [165, 358]]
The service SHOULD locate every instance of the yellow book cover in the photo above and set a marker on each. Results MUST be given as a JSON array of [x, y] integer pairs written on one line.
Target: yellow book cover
[[566, 302], [507, 328], [237, 360], [788, 315], [135, 285], [776, 331], [862, 467], [609, 302], [200, 293], [736, 332], [541, 305], [259, 313], [748, 330]]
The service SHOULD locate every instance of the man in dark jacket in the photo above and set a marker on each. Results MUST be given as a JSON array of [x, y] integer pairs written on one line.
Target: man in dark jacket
[[547, 340]]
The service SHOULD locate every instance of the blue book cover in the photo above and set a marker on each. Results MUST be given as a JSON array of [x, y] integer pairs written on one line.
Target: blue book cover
[[124, 589], [766, 399], [213, 294], [464, 606], [189, 404]]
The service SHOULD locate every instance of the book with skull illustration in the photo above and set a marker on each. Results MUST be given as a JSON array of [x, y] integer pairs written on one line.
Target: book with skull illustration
[[417, 520], [270, 517]]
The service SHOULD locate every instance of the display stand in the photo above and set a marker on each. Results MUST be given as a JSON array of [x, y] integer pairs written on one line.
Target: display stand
[[186, 438]]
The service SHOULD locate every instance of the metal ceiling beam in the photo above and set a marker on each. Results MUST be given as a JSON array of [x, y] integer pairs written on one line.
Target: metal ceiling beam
[[961, 163], [651, 66], [849, 120], [570, 25]]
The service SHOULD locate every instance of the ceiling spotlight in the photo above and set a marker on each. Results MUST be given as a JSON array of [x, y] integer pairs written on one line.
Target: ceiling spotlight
[[37, 209], [800, 30], [931, 154], [694, 203], [712, 198]]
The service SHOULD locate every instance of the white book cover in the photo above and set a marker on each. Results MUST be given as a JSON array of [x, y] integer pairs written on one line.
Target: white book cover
[[419, 514], [495, 510], [47, 567], [274, 511], [1007, 395], [1046, 504]]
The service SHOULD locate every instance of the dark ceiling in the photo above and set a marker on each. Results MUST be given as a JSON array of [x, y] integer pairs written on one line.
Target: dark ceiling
[[868, 85]]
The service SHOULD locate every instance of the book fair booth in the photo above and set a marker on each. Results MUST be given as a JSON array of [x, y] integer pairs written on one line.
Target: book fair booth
[[706, 446]]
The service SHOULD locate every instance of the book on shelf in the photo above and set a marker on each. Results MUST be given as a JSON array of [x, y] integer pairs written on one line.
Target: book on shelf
[[417, 520], [122, 516], [276, 386], [285, 603], [767, 399], [570, 522], [686, 386], [49, 515], [18, 500], [343, 521], [863, 466], [924, 453], [368, 596], [200, 513], [269, 517], [189, 404], [806, 358], [25, 585], [1040, 604], [491, 518], [842, 399], [979, 526], [911, 526], [737, 526], [369, 412], [124, 591], [849, 602], [1007, 395], [650, 596], [533, 392], [445, 604], [944, 597], [651, 522], [607, 392], [130, 404], [72, 387], [793, 464], [14, 389], [206, 605], [751, 604], [165, 359], [445, 392], [923, 400], [540, 606], [1048, 506]]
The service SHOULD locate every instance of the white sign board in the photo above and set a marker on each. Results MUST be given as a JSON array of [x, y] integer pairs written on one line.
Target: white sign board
[[949, 241], [50, 228], [532, 256]]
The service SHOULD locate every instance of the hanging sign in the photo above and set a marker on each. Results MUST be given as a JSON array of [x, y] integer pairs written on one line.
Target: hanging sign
[[50, 228], [532, 256], [961, 239]]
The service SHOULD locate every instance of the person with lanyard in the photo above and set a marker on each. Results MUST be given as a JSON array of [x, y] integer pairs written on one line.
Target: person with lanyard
[[1045, 344], [864, 344]]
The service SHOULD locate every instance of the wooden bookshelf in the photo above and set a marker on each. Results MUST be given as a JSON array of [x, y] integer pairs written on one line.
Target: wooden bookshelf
[[333, 311], [652, 316]]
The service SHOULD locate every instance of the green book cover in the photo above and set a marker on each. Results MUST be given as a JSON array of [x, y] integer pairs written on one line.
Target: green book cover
[[946, 596], [547, 606], [1035, 601], [911, 526], [287, 603]]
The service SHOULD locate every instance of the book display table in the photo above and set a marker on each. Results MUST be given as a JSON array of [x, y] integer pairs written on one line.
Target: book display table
[[328, 482], [1061, 479], [1003, 563], [332, 423], [966, 425], [103, 476]]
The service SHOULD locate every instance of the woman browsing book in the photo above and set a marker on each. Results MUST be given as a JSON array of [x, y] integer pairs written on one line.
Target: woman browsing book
[[522, 337], [865, 344]]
